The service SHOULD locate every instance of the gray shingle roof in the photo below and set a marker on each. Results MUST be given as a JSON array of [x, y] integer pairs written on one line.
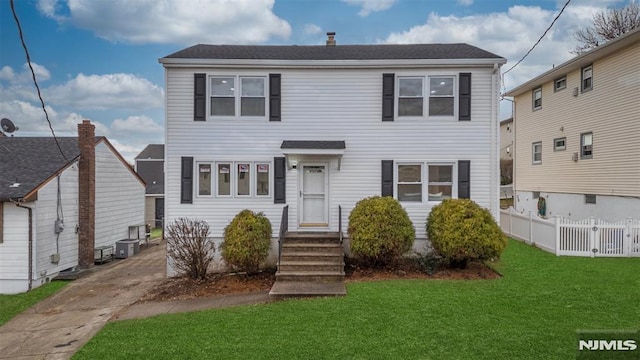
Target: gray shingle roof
[[313, 144], [152, 172], [31, 160], [338, 52], [152, 151]]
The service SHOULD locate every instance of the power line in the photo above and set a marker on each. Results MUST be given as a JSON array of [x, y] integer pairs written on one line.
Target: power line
[[540, 39], [33, 75]]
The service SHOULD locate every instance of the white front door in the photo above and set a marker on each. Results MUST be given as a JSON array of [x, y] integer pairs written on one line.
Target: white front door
[[313, 196]]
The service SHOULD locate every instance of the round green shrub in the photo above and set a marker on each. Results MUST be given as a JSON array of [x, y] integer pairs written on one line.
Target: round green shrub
[[380, 230], [461, 231], [247, 240]]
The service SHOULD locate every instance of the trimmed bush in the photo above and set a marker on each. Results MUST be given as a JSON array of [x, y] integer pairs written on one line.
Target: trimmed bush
[[461, 231], [247, 240], [188, 248], [380, 230]]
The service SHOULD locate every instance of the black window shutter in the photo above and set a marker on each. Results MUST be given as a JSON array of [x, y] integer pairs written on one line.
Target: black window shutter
[[464, 179], [280, 180], [199, 97], [464, 98], [388, 83], [274, 97], [387, 177], [186, 183]]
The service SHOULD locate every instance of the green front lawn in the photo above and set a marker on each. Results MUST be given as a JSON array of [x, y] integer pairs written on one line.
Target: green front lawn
[[12, 305], [532, 312]]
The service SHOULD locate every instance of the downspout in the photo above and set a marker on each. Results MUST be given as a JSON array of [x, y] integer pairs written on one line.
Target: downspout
[[495, 149], [30, 243]]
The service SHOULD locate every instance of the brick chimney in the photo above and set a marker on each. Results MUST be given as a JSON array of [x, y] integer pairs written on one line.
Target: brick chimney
[[86, 194], [331, 39]]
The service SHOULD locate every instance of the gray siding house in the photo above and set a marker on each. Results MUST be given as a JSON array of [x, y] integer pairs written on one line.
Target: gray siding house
[[150, 166]]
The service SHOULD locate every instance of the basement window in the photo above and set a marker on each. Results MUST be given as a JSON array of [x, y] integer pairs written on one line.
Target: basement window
[[589, 198]]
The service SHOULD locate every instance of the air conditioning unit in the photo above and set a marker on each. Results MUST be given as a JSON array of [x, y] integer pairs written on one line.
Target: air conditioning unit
[[127, 248]]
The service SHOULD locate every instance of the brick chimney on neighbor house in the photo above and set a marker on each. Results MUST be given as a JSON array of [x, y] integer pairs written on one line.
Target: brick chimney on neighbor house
[[331, 39], [86, 194]]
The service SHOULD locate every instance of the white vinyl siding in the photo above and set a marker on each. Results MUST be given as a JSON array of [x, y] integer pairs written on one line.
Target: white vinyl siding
[[14, 254], [119, 198], [335, 104], [610, 111]]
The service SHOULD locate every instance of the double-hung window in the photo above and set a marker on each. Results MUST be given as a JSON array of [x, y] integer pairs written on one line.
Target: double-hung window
[[440, 185], [587, 78], [223, 96], [537, 98], [233, 95], [252, 102], [410, 182], [537, 152], [560, 83], [586, 145], [441, 95], [410, 96]]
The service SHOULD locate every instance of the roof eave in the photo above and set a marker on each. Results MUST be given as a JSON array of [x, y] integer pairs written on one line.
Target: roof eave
[[263, 63], [578, 62]]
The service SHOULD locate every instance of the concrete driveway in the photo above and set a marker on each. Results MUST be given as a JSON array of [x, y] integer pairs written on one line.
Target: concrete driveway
[[59, 326]]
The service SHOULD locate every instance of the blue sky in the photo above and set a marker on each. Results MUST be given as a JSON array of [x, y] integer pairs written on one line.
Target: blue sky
[[98, 59]]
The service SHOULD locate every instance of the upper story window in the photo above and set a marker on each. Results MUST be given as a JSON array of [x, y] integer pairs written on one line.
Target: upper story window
[[410, 96], [559, 84], [586, 145], [439, 101], [587, 78], [537, 152], [560, 144], [537, 98], [228, 100], [441, 96]]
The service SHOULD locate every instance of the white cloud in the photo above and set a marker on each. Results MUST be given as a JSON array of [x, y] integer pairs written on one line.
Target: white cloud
[[101, 92], [7, 73], [465, 2], [172, 21], [128, 152], [509, 34], [370, 6], [42, 74], [312, 29], [137, 124]]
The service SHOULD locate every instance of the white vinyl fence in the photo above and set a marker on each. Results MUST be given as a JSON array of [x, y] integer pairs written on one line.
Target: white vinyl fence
[[589, 237]]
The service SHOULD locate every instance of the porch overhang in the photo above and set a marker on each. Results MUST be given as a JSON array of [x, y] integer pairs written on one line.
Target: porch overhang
[[292, 149]]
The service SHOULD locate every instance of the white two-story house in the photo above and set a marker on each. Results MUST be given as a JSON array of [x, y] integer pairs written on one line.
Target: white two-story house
[[318, 128], [576, 135]]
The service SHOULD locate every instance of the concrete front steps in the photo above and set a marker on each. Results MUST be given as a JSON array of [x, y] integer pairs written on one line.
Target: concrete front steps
[[311, 264]]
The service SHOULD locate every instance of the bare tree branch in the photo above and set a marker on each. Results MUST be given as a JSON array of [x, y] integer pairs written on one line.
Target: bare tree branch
[[189, 248], [607, 25]]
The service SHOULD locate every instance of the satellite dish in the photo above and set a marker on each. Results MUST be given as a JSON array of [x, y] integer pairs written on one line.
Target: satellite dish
[[7, 126]]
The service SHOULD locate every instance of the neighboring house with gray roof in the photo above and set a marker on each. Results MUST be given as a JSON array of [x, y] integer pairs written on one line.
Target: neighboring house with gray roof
[[55, 210], [150, 166], [319, 128]]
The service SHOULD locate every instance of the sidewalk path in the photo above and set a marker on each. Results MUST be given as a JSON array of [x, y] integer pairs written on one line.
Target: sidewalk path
[[60, 325]]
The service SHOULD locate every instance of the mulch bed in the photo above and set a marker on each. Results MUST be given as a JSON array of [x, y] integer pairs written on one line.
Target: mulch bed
[[182, 288]]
